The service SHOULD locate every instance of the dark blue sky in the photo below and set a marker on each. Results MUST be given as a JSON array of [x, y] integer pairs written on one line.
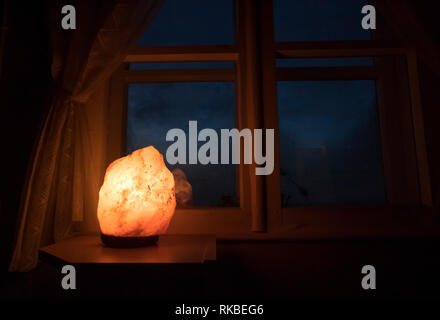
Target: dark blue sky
[[202, 22], [318, 20], [329, 131], [192, 22], [155, 108], [330, 143]]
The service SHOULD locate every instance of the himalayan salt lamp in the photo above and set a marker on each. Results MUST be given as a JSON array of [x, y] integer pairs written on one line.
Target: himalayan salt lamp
[[137, 200]]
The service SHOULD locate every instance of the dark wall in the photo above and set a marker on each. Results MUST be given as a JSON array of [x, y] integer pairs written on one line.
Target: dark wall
[[427, 13], [25, 80]]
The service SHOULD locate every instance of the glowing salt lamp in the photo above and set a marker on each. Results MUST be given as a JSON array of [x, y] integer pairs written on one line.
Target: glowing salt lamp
[[137, 199]]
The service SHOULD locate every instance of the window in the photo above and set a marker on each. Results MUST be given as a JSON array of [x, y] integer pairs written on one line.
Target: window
[[319, 20], [341, 104], [192, 22], [344, 117], [330, 149], [155, 108]]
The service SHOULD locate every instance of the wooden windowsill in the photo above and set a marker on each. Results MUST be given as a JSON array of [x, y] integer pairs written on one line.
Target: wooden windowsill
[[348, 224], [169, 249]]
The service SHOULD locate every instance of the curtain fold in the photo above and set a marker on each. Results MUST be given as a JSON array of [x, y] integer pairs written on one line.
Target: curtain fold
[[65, 173]]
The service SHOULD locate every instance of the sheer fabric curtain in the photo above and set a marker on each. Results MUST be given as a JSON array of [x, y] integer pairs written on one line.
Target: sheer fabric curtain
[[69, 161]]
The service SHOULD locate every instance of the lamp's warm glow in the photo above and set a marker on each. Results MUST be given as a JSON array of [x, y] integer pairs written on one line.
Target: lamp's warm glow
[[137, 198]]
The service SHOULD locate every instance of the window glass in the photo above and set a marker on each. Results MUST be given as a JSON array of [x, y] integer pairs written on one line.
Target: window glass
[[155, 108], [191, 22], [329, 143], [319, 20]]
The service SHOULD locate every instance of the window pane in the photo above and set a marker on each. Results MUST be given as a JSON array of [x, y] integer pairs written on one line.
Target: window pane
[[191, 22], [155, 108], [318, 20], [330, 151], [326, 62], [180, 65]]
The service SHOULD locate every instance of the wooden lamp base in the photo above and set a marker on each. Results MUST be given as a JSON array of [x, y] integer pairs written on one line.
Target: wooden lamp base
[[128, 242]]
